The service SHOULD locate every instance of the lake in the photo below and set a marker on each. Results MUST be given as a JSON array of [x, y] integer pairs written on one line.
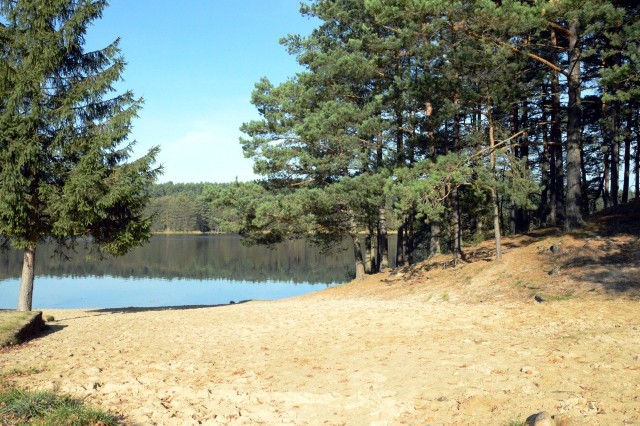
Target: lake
[[176, 270]]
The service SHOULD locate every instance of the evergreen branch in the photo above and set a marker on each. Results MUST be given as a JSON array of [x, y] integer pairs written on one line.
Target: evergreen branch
[[518, 51]]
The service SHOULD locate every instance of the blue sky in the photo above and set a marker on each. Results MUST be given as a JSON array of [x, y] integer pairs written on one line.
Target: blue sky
[[195, 63]]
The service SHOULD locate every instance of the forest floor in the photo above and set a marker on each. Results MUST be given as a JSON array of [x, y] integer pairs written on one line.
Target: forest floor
[[430, 344]]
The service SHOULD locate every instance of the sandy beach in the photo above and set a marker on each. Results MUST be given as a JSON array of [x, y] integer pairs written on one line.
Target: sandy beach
[[333, 359]]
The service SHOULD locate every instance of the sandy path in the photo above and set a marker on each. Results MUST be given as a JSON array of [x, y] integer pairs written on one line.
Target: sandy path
[[355, 362]]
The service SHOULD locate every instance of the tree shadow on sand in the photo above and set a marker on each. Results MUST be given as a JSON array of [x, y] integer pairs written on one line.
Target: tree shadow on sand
[[133, 309]]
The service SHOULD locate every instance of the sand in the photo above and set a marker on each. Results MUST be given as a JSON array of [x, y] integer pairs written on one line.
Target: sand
[[341, 360]]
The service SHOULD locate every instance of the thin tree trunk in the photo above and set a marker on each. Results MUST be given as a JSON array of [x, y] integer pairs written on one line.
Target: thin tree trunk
[[637, 168], [606, 195], [357, 247], [584, 184], [25, 293], [383, 241], [573, 209], [494, 192], [455, 223], [615, 156], [410, 238], [357, 251], [545, 173], [606, 144], [400, 245], [627, 160], [434, 240], [557, 189], [368, 259]]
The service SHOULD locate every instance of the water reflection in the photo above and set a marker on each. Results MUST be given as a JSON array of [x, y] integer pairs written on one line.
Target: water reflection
[[196, 257]]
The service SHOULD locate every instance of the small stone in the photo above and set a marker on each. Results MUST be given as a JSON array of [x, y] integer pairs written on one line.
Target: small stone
[[528, 370], [554, 248], [539, 298], [539, 419]]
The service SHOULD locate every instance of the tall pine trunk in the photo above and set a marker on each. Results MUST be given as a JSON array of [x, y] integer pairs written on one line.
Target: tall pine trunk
[[557, 188], [545, 172], [357, 251], [357, 247], [637, 168], [455, 224], [615, 155], [25, 293], [627, 159], [494, 192], [383, 241], [368, 254], [573, 209], [400, 244], [434, 239]]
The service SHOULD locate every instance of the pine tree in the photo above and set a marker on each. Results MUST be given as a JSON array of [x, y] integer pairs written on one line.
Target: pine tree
[[64, 169]]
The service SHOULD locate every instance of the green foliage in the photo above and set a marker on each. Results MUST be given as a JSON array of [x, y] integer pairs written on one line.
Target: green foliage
[[438, 111], [63, 152], [30, 408], [65, 173]]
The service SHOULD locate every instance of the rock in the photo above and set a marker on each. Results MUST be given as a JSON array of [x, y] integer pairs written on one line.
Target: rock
[[539, 419], [539, 298], [554, 271], [555, 248]]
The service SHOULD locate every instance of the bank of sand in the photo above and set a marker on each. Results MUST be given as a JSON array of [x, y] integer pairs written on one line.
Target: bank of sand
[[332, 359]]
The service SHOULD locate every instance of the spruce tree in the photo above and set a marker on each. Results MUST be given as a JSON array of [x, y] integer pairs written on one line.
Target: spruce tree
[[64, 169]]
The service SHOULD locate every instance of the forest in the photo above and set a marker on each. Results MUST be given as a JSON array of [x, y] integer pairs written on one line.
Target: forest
[[442, 122]]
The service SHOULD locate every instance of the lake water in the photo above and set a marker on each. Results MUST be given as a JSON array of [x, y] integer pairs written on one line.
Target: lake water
[[176, 270]]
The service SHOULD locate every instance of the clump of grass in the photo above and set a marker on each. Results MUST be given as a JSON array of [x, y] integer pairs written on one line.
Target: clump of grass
[[516, 423], [20, 372], [10, 323], [445, 297], [48, 408]]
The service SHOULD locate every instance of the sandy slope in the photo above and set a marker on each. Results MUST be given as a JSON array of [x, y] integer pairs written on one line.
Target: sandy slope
[[330, 360]]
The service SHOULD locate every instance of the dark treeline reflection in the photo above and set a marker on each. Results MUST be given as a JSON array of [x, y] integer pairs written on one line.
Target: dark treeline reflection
[[196, 257]]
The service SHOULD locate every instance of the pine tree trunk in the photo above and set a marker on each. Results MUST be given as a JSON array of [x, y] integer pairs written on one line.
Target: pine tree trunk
[[557, 188], [383, 240], [637, 168], [494, 192], [368, 264], [545, 175], [400, 245], [615, 157], [606, 195], [410, 238], [627, 160], [25, 293], [434, 240], [455, 224], [573, 209], [584, 184], [357, 251]]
